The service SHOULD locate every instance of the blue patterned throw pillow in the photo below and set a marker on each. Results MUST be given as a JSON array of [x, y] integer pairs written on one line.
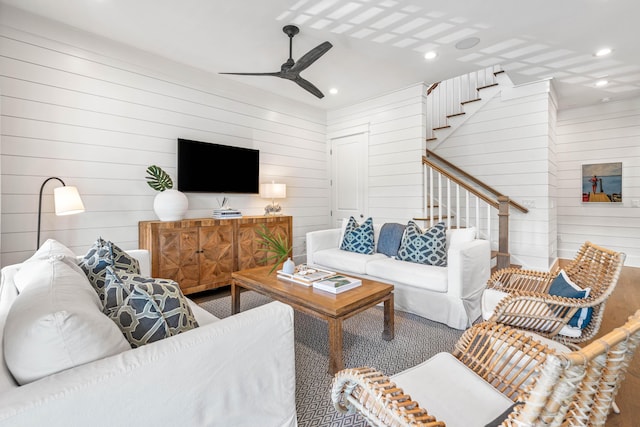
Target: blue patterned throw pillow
[[101, 255], [428, 247], [146, 309], [358, 238]]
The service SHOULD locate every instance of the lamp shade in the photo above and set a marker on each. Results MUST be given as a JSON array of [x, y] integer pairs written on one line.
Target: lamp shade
[[67, 200], [271, 190]]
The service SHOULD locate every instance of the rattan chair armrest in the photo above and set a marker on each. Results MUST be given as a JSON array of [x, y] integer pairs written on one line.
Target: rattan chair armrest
[[503, 356], [374, 396], [514, 279]]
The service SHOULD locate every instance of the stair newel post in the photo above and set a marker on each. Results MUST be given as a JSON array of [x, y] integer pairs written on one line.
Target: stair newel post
[[503, 260]]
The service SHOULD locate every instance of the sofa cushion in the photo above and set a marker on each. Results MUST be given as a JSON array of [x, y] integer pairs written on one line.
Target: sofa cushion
[[343, 261], [409, 273], [562, 286], [103, 254], [425, 247], [390, 238], [452, 392], [458, 236], [50, 248], [358, 237], [57, 323], [146, 309]]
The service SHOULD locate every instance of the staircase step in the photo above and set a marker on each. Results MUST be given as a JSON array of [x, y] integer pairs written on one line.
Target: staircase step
[[498, 72], [487, 86], [442, 127], [456, 114], [429, 218], [433, 138], [471, 100]]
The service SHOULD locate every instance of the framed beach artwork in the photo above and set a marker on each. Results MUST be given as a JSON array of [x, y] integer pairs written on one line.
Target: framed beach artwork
[[602, 183]]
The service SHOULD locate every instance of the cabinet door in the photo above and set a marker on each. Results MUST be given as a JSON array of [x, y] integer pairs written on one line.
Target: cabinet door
[[250, 248], [216, 254], [178, 256]]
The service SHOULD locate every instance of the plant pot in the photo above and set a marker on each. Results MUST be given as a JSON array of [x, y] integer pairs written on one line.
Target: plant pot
[[170, 205]]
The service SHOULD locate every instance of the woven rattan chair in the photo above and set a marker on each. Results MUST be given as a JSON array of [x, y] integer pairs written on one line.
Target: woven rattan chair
[[575, 388], [529, 305]]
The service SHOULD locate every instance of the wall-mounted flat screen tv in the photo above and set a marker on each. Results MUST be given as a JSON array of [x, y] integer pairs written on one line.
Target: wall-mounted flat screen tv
[[215, 168]]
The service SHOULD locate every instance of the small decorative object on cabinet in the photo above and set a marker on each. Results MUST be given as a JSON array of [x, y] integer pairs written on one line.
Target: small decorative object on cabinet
[[169, 204], [201, 253]]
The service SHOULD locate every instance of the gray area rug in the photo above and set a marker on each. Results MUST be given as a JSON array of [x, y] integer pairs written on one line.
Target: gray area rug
[[416, 339]]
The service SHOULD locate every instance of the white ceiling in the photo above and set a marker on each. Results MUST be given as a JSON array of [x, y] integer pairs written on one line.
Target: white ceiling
[[378, 44]]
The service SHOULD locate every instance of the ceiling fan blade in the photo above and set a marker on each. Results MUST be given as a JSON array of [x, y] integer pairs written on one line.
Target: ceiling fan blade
[[311, 57], [308, 86], [277, 74]]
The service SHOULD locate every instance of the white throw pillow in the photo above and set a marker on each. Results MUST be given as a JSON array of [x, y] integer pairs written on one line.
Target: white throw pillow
[[50, 248], [56, 323]]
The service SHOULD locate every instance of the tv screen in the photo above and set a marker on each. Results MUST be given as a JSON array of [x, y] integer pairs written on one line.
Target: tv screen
[[215, 168]]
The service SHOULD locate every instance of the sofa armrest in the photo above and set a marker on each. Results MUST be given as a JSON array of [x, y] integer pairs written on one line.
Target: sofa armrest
[[321, 239], [468, 267], [239, 371]]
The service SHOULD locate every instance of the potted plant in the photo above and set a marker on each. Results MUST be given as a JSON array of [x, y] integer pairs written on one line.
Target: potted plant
[[277, 248], [169, 204]]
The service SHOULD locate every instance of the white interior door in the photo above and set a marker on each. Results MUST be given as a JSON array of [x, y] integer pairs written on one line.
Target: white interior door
[[349, 166]]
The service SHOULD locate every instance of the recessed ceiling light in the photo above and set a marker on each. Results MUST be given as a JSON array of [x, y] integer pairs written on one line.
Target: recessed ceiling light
[[601, 83], [603, 52], [430, 55], [467, 43], [333, 91]]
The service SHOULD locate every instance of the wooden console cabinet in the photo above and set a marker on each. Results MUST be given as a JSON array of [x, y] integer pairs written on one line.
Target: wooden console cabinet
[[201, 253]]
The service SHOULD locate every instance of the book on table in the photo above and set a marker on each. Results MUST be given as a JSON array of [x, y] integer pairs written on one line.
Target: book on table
[[337, 283], [305, 275]]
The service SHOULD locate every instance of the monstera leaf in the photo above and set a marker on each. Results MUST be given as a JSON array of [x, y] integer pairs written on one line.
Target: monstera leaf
[[158, 179]]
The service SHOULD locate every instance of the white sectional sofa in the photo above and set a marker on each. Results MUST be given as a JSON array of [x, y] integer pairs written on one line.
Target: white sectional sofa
[[450, 295], [239, 371]]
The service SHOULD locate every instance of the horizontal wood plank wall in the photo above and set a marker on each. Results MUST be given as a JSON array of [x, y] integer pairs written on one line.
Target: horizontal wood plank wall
[[396, 125], [506, 144], [603, 133], [96, 113]]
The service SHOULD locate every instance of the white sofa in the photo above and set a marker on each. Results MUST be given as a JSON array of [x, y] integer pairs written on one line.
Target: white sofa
[[450, 295], [239, 371]]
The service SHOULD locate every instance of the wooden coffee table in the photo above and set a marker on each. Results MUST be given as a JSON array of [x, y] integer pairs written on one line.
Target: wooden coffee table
[[332, 308]]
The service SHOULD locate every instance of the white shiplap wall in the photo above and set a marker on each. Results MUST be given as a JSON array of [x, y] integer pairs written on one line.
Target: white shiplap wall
[[96, 113], [396, 123], [507, 145], [599, 134]]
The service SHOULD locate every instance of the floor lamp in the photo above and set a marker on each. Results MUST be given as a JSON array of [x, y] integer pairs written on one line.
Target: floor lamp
[[66, 199]]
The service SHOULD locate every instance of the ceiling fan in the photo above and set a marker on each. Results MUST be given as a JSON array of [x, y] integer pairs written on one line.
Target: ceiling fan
[[290, 70]]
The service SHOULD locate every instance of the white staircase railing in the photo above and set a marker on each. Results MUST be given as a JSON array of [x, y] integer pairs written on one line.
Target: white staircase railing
[[461, 201], [446, 99]]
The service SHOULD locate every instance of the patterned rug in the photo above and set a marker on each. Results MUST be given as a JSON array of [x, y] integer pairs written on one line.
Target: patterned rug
[[416, 339]]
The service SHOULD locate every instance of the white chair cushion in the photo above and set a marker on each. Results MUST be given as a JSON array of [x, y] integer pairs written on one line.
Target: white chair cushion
[[451, 392], [345, 261], [57, 322], [491, 298], [423, 276]]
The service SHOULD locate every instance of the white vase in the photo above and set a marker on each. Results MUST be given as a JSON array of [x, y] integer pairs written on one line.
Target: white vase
[[170, 205], [288, 266]]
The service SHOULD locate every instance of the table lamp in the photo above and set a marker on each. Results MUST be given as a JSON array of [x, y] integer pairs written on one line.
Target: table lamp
[[271, 190]]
